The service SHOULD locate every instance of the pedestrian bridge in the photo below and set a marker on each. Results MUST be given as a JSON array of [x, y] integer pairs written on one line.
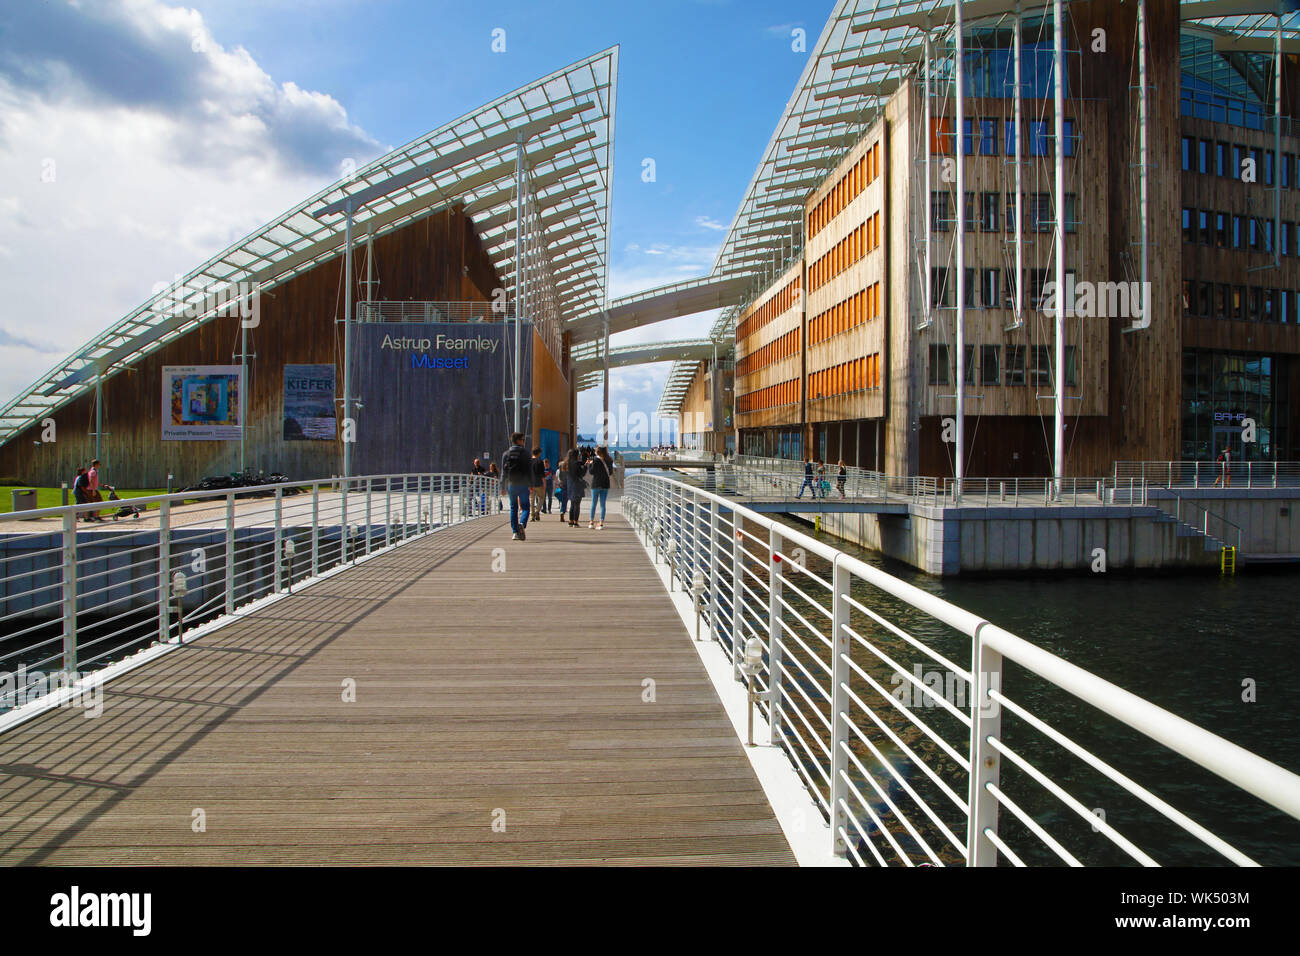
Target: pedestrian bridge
[[404, 684]]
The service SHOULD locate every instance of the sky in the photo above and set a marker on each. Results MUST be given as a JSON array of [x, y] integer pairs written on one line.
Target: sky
[[138, 138]]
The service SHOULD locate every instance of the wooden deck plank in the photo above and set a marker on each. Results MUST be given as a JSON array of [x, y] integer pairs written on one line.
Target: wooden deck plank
[[477, 691]]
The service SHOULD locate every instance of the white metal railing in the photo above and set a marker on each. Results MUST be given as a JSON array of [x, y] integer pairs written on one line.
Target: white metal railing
[[1212, 474], [78, 594], [785, 479], [892, 706]]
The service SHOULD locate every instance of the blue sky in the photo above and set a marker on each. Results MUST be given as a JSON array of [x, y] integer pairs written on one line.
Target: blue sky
[[148, 147]]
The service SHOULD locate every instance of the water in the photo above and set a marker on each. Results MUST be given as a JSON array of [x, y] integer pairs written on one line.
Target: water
[[1191, 643]]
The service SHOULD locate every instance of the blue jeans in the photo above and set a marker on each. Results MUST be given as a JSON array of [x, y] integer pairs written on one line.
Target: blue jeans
[[518, 495], [598, 494], [807, 483]]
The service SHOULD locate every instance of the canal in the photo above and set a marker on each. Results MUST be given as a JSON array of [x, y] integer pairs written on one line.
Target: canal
[[1218, 651]]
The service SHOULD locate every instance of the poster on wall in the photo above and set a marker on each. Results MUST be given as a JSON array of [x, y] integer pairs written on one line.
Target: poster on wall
[[309, 403], [200, 402]]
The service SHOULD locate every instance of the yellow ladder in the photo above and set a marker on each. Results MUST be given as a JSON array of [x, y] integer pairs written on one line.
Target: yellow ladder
[[1228, 560]]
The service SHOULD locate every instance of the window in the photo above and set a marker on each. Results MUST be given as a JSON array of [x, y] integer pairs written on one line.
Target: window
[[988, 137], [1268, 235], [1203, 226], [1284, 304], [1284, 239], [1221, 301], [940, 136], [1187, 295], [1187, 154], [939, 211], [1238, 302], [1204, 303], [1221, 230], [1189, 227], [1040, 212], [968, 287], [969, 213], [1252, 303], [989, 364], [1011, 210], [1071, 140], [989, 288], [967, 137], [1286, 170], [1071, 366], [1035, 279], [1038, 138], [1270, 315], [939, 287], [1268, 168], [1015, 365], [991, 211], [1235, 172], [1041, 372], [1252, 232], [1071, 213], [938, 365], [1202, 156], [968, 376], [1236, 232], [1220, 159], [1011, 149]]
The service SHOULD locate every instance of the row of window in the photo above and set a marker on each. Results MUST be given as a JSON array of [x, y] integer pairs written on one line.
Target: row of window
[[1207, 227], [843, 254], [990, 370], [991, 288], [979, 137], [863, 173], [1252, 303], [855, 376], [765, 313], [1037, 209], [1229, 161], [782, 393], [773, 351], [842, 316]]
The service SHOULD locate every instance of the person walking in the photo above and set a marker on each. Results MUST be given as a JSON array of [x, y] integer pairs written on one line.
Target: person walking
[[575, 470], [841, 477], [549, 487], [807, 479], [602, 469], [538, 482], [494, 474], [517, 473], [562, 487], [823, 485]]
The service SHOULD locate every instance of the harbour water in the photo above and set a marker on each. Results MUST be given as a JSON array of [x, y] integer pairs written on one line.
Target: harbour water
[[1218, 651]]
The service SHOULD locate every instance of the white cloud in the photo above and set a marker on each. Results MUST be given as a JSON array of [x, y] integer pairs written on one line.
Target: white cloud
[[134, 146], [707, 223]]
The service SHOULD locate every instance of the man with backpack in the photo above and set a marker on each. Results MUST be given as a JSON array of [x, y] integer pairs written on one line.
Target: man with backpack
[[517, 475], [537, 484]]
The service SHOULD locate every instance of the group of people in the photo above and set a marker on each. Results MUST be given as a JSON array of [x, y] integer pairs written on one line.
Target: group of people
[[814, 478], [529, 483], [86, 488]]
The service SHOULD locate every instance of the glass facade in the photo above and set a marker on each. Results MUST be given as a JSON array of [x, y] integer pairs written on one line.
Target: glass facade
[[1220, 391]]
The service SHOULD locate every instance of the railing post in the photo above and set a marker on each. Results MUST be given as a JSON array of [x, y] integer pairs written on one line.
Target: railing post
[[388, 511], [774, 655], [315, 529], [737, 594], [70, 591], [405, 503], [368, 536], [986, 723], [714, 511], [279, 537], [344, 531], [230, 552], [164, 571], [840, 652]]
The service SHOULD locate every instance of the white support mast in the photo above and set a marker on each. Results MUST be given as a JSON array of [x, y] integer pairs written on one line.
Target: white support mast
[[959, 240], [348, 433], [1058, 70], [1018, 299], [927, 213], [519, 275]]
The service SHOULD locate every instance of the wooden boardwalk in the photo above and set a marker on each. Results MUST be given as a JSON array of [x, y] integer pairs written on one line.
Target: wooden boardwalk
[[511, 697]]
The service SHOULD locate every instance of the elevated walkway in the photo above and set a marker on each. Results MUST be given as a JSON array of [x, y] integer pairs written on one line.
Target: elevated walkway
[[500, 717]]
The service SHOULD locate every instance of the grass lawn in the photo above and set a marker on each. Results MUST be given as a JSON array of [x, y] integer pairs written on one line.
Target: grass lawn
[[53, 497]]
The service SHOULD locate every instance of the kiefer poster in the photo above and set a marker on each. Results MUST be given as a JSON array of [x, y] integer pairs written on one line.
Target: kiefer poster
[[309, 403]]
